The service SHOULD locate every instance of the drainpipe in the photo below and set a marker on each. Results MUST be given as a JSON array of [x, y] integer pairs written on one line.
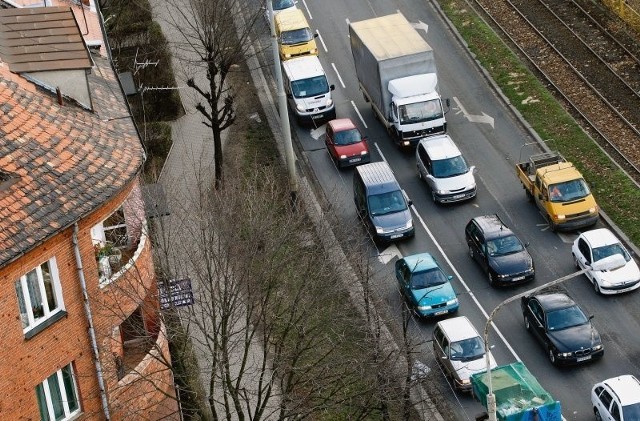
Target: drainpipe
[[92, 333]]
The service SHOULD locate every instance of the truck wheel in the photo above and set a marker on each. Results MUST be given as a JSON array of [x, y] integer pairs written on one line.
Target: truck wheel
[[528, 194]]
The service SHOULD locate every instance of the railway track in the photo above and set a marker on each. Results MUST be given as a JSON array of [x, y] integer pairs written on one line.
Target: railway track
[[592, 69]]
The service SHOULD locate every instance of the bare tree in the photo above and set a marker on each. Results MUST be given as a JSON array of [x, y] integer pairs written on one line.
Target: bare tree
[[214, 38]]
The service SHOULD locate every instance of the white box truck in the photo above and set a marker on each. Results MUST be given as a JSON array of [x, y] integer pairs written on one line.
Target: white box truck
[[396, 73]]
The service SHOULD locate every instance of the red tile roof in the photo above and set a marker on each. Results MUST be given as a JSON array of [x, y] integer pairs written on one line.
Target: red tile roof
[[69, 160]]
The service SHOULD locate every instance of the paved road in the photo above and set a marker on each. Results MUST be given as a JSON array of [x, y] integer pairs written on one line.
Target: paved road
[[494, 150]]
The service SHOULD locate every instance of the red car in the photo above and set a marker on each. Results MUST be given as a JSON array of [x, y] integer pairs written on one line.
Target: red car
[[345, 144]]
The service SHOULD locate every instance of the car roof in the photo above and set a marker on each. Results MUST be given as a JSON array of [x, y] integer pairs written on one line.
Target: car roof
[[554, 301], [341, 124], [421, 261], [378, 177], [291, 19], [626, 387], [600, 237], [440, 147], [458, 328], [492, 226], [302, 67]]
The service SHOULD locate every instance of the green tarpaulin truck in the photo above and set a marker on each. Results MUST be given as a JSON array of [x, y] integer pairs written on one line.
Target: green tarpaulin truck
[[519, 396]]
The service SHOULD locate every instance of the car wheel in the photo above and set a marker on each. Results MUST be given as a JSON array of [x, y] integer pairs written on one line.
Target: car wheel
[[552, 357], [527, 325], [471, 252], [554, 227], [575, 261], [596, 287], [597, 414]]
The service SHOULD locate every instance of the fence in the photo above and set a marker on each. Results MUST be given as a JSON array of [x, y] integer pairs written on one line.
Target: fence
[[628, 10]]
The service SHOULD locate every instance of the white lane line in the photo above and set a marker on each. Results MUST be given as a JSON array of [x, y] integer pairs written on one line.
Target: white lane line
[[382, 155], [339, 78], [322, 41], [359, 115], [307, 8], [464, 284]]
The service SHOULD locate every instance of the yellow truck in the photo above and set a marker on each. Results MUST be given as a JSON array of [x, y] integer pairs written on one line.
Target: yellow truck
[[559, 191]]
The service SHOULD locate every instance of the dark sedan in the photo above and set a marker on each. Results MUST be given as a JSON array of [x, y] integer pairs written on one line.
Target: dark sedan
[[498, 251], [562, 327]]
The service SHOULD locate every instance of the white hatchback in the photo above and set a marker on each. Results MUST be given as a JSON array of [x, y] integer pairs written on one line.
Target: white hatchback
[[617, 398], [595, 245]]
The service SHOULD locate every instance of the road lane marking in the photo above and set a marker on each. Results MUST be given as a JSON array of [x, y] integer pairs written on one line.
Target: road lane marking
[[389, 253], [473, 118], [307, 8], [322, 41], [339, 77], [359, 115]]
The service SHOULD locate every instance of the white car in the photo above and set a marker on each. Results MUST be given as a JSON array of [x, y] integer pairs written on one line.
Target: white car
[[617, 399], [595, 245], [441, 164], [460, 351], [279, 6]]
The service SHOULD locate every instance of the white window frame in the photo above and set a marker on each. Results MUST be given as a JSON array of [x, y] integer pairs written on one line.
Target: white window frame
[[68, 414], [57, 290], [98, 235]]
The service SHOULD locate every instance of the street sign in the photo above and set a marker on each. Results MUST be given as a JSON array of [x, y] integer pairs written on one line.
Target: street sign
[[175, 293]]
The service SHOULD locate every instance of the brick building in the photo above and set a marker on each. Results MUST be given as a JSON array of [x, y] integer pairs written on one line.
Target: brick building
[[81, 333]]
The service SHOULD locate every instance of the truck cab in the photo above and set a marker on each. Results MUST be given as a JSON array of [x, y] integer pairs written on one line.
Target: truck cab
[[416, 108], [559, 191]]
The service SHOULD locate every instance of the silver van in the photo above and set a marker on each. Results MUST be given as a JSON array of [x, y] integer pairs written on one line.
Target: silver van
[[441, 164], [381, 204], [459, 350]]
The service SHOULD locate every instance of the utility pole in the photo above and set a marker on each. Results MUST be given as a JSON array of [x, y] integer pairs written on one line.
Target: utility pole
[[282, 109]]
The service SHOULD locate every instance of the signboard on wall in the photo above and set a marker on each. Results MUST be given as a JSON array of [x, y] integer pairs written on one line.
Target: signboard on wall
[[175, 293]]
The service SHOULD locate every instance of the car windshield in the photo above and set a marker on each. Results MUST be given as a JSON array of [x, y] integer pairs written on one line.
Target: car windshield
[[312, 86], [428, 278], [467, 349], [568, 191], [631, 412], [347, 137], [282, 4], [296, 36], [504, 245], [450, 167], [420, 111], [600, 253], [382, 204], [565, 318]]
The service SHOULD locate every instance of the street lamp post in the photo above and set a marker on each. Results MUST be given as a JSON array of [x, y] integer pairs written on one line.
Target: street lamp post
[[608, 263]]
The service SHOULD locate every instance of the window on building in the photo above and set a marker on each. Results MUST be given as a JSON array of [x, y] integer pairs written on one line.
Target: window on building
[[39, 294], [112, 230], [58, 396]]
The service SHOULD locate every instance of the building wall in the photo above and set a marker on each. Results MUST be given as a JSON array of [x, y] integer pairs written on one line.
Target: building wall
[[25, 363]]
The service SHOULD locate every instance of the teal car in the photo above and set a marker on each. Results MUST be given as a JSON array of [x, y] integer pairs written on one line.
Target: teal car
[[425, 286]]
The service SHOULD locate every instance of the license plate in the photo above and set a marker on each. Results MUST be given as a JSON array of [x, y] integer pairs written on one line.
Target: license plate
[[440, 313], [355, 160], [318, 116], [395, 236], [579, 359], [458, 196], [518, 278]]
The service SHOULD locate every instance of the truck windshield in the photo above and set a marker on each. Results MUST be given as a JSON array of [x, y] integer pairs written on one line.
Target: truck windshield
[[450, 167], [568, 191], [420, 112], [296, 36], [312, 86], [382, 204]]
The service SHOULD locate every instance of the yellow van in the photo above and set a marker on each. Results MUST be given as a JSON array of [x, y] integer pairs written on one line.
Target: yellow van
[[295, 38]]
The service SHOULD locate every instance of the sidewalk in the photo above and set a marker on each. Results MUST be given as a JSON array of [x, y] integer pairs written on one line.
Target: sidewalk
[[187, 176]]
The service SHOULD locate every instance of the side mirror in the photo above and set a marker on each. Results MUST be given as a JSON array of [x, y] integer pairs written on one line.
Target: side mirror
[[444, 357], [491, 346], [315, 35], [332, 87], [591, 317], [289, 96], [472, 169], [540, 196], [448, 102], [450, 277], [430, 177], [526, 244], [365, 139]]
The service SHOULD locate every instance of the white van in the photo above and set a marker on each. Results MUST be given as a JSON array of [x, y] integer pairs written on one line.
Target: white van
[[308, 91]]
